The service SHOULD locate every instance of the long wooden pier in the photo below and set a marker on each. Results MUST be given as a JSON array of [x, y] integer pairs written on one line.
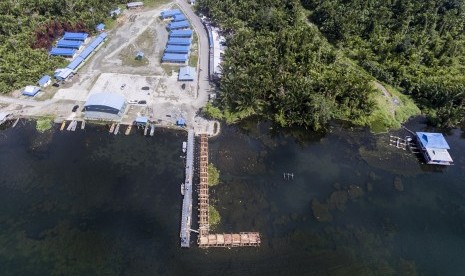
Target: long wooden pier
[[205, 239]]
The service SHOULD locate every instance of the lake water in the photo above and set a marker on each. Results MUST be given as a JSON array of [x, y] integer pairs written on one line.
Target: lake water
[[91, 203]]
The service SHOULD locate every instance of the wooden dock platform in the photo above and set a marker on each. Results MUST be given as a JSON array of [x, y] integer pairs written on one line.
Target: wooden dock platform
[[112, 128], [205, 239]]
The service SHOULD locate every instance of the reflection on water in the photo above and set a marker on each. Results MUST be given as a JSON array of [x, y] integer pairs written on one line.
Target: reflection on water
[[90, 203]]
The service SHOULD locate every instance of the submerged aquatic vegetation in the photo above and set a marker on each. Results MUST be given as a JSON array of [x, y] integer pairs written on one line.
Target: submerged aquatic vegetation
[[44, 124], [213, 175], [214, 216]]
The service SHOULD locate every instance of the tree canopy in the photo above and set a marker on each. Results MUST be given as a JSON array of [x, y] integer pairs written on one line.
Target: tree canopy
[[28, 29], [282, 68], [299, 65], [417, 46]]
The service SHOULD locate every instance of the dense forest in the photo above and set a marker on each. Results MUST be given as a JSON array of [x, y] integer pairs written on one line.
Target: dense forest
[[280, 67], [28, 29], [300, 67], [418, 46]]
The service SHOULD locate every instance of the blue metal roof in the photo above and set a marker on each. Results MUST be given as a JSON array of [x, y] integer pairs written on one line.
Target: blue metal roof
[[87, 51], [63, 74], [96, 42], [179, 41], [179, 25], [174, 57], [103, 35], [181, 122], [181, 33], [100, 27], [63, 43], [432, 140], [179, 17], [44, 80], [178, 49], [75, 36], [75, 63], [186, 73], [170, 13], [65, 52], [113, 100], [31, 90]]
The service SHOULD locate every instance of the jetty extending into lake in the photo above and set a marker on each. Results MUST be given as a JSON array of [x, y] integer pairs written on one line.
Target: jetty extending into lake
[[186, 213], [205, 239]]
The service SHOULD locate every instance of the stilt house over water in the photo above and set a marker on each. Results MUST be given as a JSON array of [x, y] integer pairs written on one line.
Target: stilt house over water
[[434, 148]]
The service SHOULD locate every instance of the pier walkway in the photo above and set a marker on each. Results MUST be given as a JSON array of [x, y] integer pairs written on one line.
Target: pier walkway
[[205, 239], [186, 213]]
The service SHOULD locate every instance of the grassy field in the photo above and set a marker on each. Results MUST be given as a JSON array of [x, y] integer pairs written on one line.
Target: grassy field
[[393, 109], [194, 56], [155, 3]]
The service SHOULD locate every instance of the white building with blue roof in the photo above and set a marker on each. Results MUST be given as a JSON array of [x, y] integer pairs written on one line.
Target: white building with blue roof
[[434, 148], [45, 81]]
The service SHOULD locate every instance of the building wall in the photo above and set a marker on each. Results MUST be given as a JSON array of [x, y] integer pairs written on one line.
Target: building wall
[[90, 115], [102, 108]]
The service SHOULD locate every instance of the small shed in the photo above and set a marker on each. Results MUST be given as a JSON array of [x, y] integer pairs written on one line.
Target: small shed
[[434, 148], [115, 12], [139, 55], [181, 122], [141, 121], [31, 90], [45, 81], [186, 73], [100, 27]]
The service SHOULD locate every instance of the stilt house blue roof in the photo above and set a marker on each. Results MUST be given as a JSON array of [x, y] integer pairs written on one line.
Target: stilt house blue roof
[[432, 140]]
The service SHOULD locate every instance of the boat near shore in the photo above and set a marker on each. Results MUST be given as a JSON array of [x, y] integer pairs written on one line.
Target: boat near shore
[[184, 146]]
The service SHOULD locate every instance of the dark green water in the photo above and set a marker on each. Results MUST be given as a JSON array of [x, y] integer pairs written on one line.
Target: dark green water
[[90, 203]]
